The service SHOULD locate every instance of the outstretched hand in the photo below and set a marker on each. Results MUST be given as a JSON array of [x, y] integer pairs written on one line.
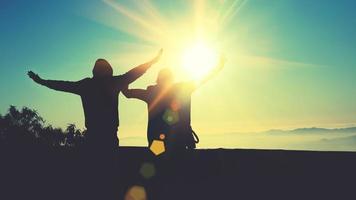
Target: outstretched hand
[[214, 71], [222, 62], [34, 76], [156, 59]]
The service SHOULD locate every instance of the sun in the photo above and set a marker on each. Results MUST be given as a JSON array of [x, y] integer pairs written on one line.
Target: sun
[[198, 60]]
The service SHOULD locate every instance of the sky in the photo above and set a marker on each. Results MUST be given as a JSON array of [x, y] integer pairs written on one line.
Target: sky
[[289, 63]]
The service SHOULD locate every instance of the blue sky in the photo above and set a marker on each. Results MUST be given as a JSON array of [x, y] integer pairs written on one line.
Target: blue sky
[[290, 63]]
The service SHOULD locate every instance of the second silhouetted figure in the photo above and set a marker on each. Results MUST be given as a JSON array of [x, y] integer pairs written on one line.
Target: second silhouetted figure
[[169, 109]]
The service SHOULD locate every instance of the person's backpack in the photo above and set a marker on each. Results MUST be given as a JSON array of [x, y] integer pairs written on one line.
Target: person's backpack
[[193, 140]]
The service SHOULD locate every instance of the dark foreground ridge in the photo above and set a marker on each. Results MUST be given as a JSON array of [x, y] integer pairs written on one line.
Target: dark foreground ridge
[[202, 174]]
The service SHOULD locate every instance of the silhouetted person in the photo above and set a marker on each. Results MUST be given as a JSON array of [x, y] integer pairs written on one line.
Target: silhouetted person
[[169, 109], [99, 96]]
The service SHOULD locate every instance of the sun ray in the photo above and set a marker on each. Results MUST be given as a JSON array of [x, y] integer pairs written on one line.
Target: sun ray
[[233, 9], [158, 98], [108, 19], [145, 22], [152, 12], [152, 28], [199, 16]]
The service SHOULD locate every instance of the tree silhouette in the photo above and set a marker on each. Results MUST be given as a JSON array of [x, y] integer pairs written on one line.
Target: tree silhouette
[[26, 127]]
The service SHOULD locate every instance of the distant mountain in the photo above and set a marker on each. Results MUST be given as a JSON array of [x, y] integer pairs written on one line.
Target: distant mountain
[[313, 130], [325, 130]]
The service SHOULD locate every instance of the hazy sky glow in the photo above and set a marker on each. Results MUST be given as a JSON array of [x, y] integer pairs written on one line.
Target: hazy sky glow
[[290, 63]]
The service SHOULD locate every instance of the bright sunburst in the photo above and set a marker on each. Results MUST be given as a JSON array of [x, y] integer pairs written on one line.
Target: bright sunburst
[[190, 41], [199, 59]]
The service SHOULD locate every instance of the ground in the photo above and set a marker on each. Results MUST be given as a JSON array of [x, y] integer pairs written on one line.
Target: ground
[[201, 174]]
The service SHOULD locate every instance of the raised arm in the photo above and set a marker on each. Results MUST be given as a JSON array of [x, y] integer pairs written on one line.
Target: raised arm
[[65, 86], [135, 93], [138, 71], [213, 72]]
